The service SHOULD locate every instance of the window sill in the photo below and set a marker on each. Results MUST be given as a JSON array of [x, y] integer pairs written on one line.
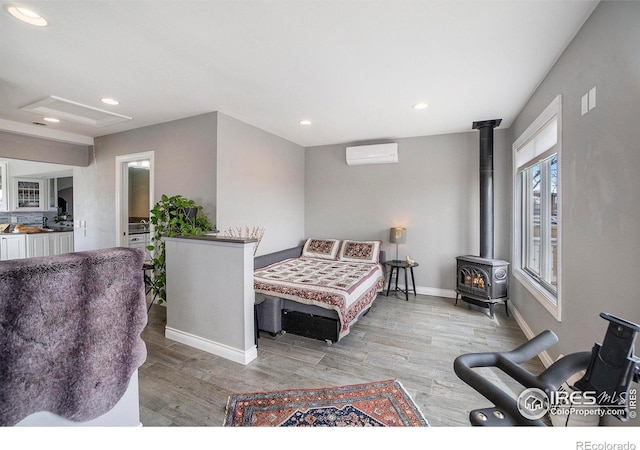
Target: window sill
[[546, 299]]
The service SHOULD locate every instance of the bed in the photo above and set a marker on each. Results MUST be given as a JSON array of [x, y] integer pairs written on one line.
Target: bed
[[319, 290]]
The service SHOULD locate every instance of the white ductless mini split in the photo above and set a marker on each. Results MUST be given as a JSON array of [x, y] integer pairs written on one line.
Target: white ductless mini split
[[372, 154]]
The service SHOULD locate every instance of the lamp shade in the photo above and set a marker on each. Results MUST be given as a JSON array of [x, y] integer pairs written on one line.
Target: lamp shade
[[397, 235]]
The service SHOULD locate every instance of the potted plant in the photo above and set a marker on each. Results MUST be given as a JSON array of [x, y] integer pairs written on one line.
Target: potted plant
[[172, 216]]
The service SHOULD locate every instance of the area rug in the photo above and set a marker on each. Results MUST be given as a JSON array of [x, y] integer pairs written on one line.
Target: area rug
[[377, 404]]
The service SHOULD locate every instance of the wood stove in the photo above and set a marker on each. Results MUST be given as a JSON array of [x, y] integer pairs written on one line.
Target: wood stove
[[483, 280]]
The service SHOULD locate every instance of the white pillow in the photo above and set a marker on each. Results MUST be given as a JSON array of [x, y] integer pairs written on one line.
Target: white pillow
[[321, 248], [360, 251]]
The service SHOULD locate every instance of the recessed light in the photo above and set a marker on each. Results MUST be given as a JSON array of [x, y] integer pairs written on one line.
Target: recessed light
[[26, 15], [51, 119], [420, 105], [305, 122], [110, 101]]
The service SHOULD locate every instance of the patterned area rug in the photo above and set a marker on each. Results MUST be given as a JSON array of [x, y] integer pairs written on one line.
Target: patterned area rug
[[377, 404]]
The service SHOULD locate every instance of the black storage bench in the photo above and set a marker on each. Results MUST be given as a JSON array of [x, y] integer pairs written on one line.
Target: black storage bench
[[310, 325]]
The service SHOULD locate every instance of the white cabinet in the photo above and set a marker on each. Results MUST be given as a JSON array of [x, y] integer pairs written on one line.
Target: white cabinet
[[13, 246], [20, 191], [63, 242], [52, 194], [53, 243], [37, 244], [49, 244], [29, 194], [140, 240]]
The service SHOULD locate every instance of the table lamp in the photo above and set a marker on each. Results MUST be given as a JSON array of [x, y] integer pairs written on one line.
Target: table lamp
[[397, 235]]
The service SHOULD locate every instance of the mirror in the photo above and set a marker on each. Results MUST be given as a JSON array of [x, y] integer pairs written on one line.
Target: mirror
[[134, 198], [139, 191]]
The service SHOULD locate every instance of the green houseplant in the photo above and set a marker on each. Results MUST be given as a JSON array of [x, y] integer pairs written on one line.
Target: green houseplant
[[172, 216]]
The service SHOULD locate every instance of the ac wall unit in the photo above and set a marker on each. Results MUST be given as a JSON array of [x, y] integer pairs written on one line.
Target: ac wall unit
[[372, 154]]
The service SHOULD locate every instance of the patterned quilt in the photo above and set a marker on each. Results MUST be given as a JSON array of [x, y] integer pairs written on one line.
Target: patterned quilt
[[345, 287]]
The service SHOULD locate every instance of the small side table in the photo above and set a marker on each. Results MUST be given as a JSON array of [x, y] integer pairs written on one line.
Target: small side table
[[397, 265]]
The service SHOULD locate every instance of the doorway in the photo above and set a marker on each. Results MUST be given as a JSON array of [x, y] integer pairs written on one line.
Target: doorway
[[134, 199]]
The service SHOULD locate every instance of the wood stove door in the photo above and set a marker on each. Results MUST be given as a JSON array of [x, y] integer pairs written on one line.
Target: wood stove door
[[474, 281]]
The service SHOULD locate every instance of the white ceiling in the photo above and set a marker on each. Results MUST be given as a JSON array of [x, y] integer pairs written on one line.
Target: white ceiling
[[353, 68]]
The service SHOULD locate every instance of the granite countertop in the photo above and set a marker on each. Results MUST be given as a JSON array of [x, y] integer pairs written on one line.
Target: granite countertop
[[138, 232], [59, 229], [47, 230]]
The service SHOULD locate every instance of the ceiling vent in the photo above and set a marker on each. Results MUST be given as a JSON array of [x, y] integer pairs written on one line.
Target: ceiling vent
[[75, 112], [372, 154]]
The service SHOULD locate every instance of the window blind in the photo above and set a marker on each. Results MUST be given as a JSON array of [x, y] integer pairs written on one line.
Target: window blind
[[540, 147]]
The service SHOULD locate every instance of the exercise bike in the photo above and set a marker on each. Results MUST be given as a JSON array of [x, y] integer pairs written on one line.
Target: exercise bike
[[610, 368]]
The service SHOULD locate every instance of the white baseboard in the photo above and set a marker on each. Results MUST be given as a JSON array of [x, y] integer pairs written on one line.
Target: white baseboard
[[529, 334], [425, 290], [435, 292], [215, 348]]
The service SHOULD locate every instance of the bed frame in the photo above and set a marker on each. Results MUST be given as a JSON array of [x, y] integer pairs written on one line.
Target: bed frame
[[275, 315]]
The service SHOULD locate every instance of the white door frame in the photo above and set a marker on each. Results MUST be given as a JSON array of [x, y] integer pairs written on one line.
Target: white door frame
[[122, 193]]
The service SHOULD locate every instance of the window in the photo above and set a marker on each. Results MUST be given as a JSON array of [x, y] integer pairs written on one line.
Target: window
[[536, 156]]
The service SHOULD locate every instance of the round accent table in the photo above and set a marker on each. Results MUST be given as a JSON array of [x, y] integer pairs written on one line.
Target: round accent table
[[397, 265]]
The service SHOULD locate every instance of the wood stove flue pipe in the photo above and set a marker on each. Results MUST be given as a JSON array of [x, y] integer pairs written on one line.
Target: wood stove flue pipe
[[485, 128]]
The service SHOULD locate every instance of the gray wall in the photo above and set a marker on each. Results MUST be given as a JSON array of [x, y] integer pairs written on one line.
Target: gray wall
[[433, 191], [185, 164], [36, 149], [260, 183], [241, 175], [600, 178], [264, 180]]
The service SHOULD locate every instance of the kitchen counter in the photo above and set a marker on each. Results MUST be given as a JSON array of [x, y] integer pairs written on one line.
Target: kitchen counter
[[36, 241], [60, 229], [47, 230]]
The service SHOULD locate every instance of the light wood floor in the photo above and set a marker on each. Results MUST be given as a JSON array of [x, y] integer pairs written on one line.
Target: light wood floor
[[414, 342]]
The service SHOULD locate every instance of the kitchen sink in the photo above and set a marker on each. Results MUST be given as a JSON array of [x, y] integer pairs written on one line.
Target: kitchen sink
[[137, 228]]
